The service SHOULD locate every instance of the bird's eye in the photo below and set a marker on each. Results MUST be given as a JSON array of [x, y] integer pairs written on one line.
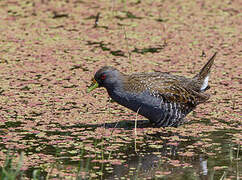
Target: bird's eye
[[103, 77]]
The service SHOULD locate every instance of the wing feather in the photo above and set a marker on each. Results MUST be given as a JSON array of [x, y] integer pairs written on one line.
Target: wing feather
[[172, 88]]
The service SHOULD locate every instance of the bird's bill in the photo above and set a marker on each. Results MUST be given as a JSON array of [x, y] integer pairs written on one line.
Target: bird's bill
[[93, 86]]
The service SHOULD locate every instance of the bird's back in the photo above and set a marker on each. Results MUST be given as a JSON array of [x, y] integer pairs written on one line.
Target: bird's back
[[163, 98], [173, 88]]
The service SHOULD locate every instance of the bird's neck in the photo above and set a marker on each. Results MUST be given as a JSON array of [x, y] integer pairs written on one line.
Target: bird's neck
[[117, 90]]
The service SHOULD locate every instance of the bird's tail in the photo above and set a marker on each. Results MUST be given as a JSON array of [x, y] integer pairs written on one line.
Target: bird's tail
[[203, 75]]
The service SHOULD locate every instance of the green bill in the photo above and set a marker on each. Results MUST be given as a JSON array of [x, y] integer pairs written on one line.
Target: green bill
[[93, 86]]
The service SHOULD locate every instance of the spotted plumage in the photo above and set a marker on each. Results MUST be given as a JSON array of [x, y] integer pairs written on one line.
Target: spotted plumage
[[163, 98]]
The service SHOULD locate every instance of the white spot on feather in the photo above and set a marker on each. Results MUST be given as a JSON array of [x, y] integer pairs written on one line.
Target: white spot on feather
[[205, 83]]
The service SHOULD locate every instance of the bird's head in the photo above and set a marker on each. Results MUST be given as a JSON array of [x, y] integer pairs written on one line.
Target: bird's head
[[106, 77]]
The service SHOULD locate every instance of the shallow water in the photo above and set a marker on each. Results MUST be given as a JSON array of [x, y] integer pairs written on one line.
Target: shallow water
[[214, 157], [123, 152]]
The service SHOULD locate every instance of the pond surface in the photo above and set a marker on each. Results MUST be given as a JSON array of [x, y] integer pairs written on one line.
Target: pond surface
[[50, 50], [120, 151]]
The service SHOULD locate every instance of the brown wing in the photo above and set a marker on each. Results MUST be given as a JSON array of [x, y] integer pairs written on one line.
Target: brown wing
[[172, 88], [177, 93]]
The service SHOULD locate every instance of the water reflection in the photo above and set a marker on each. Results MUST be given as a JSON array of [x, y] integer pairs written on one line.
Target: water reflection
[[168, 161], [151, 162]]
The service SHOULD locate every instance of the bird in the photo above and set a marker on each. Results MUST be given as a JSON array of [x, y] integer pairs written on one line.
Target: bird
[[163, 98]]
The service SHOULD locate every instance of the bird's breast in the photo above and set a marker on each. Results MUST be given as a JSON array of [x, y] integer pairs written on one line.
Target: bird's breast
[[143, 103], [154, 108]]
